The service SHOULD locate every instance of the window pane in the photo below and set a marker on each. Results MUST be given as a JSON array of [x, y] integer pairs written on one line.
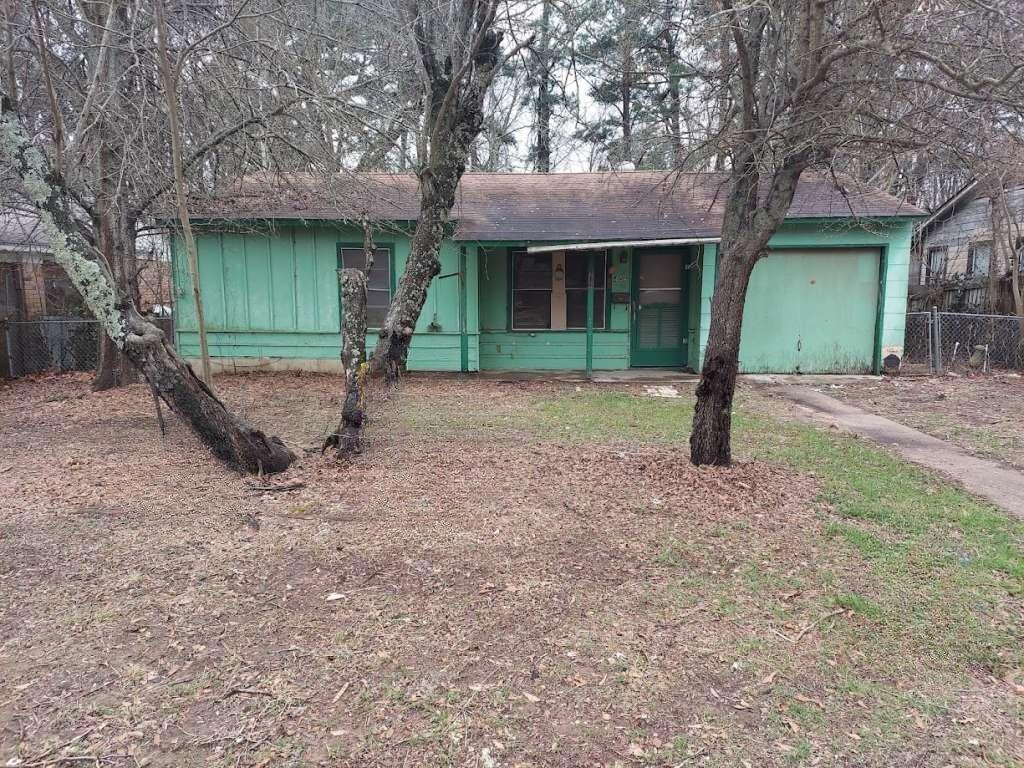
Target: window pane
[[576, 269], [375, 297], [380, 275], [531, 309], [375, 316], [979, 258], [660, 270], [378, 293], [531, 270], [576, 309]]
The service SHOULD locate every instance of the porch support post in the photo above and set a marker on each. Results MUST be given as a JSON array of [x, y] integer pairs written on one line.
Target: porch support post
[[463, 330], [590, 315]]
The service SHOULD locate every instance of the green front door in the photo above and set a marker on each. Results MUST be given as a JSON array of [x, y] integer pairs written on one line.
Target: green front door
[[658, 325]]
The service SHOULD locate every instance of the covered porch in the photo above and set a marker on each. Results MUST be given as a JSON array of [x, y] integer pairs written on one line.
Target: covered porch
[[592, 306]]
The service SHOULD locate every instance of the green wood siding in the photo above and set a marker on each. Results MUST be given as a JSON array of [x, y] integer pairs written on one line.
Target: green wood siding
[[272, 292]]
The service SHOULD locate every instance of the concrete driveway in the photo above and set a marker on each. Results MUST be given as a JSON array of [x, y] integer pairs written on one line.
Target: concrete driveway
[[1000, 484]]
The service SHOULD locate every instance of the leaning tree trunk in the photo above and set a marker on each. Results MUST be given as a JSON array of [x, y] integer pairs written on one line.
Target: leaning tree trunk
[[437, 195], [455, 117], [347, 438], [230, 438]]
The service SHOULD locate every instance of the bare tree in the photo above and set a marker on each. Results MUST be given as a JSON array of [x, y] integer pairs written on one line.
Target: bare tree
[[171, 379], [807, 82], [459, 52]]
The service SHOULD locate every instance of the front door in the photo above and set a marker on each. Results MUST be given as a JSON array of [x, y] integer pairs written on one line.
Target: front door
[[659, 309]]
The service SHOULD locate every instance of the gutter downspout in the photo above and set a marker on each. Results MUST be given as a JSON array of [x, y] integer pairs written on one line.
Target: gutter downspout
[[463, 331]]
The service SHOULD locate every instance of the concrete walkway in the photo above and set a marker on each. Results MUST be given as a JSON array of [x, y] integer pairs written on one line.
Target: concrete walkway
[[989, 479]]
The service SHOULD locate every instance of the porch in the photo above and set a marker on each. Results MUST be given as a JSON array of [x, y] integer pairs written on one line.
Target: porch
[[589, 307]]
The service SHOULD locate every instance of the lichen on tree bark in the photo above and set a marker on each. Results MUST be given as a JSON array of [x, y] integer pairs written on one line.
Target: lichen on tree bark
[[230, 438]]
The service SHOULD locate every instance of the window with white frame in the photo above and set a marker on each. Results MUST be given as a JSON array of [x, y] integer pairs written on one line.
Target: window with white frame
[[549, 290], [935, 264], [378, 287]]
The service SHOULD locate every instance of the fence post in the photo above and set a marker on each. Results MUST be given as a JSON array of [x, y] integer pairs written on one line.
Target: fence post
[[937, 341]]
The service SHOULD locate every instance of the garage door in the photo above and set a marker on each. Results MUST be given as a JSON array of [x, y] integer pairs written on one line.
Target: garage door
[[811, 311]]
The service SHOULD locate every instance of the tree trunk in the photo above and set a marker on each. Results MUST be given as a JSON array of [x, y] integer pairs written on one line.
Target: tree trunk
[[454, 118], [673, 70], [626, 94], [710, 440], [436, 199], [542, 152], [230, 438], [169, 78], [116, 240], [747, 226], [117, 244], [348, 435], [113, 369]]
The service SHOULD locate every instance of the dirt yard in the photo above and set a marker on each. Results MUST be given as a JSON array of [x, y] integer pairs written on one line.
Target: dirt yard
[[984, 414], [511, 575]]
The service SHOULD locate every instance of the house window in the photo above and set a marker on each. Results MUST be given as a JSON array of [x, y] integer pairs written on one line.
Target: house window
[[10, 292], [549, 290], [978, 257], [532, 277], [378, 288], [935, 265]]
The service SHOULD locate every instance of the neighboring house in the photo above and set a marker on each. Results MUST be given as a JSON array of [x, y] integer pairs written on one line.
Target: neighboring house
[[31, 284], [953, 251], [512, 292]]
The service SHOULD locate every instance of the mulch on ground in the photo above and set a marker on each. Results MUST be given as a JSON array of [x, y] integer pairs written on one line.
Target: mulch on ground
[[450, 597]]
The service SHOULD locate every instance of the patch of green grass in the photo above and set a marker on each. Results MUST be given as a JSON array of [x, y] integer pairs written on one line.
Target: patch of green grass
[[616, 416], [866, 543], [805, 714], [800, 753], [943, 566], [672, 555], [939, 563], [858, 604]]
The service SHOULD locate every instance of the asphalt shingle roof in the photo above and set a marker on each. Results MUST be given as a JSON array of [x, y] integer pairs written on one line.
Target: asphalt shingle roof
[[634, 205]]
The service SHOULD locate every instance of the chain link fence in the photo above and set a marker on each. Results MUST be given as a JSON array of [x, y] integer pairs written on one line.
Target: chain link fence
[[54, 344], [942, 341]]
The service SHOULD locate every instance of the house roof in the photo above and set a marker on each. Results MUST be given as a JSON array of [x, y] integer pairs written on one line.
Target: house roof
[[965, 194], [20, 231], [633, 205]]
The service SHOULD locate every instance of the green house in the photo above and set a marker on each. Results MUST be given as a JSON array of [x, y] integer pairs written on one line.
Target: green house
[[513, 294]]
